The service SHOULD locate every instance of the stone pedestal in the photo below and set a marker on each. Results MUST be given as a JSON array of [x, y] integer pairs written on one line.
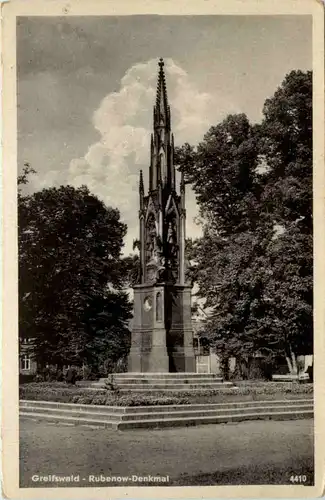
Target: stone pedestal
[[162, 337], [148, 344], [179, 328]]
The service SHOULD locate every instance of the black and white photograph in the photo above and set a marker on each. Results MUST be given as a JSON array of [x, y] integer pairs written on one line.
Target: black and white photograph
[[165, 224]]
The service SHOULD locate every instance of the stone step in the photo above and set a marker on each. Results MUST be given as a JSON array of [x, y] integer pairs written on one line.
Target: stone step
[[67, 419], [155, 382], [189, 421], [143, 381], [175, 386], [162, 384], [164, 376], [58, 412], [123, 417], [164, 416], [167, 422], [212, 413], [50, 405], [130, 414], [155, 377], [149, 390]]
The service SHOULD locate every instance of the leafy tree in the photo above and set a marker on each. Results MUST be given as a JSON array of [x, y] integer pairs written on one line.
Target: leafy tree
[[108, 335], [23, 177], [131, 267], [253, 265], [70, 277], [286, 147], [222, 171], [289, 293]]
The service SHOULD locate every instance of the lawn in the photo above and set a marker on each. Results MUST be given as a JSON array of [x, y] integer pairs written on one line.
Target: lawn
[[267, 452]]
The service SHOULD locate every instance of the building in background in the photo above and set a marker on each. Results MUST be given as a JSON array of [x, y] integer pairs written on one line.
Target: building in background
[[27, 363]]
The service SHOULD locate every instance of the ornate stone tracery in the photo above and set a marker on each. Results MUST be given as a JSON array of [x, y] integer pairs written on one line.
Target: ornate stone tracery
[[151, 237], [167, 324]]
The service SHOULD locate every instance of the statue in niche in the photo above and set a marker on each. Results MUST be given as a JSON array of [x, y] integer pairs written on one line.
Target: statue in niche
[[155, 260], [172, 239], [151, 234], [172, 249]]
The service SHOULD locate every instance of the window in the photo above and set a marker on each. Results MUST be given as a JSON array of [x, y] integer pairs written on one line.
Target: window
[[25, 340], [25, 362], [158, 307], [201, 346]]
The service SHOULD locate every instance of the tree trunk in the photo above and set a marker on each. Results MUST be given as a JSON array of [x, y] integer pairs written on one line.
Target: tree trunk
[[225, 367], [292, 362], [289, 364]]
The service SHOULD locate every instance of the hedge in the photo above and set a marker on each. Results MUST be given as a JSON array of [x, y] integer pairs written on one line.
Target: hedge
[[65, 393], [37, 392]]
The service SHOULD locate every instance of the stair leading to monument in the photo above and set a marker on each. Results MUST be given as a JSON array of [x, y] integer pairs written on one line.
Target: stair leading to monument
[[168, 376], [172, 386], [165, 415], [158, 382]]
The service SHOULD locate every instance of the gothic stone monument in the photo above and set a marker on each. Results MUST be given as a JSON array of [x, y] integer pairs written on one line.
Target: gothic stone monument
[[162, 337]]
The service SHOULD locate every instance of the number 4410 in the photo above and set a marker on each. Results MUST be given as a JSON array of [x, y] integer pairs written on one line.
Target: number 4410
[[298, 479]]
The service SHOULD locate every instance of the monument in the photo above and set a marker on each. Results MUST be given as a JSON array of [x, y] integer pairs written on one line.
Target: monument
[[162, 337]]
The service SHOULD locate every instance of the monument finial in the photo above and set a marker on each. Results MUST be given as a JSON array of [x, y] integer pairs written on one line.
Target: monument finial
[[141, 186], [182, 184], [161, 98]]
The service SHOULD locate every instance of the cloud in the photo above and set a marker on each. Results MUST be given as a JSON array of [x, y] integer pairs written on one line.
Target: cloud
[[110, 168]]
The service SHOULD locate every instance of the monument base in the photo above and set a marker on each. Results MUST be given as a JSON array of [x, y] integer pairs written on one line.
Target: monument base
[[150, 383], [162, 337]]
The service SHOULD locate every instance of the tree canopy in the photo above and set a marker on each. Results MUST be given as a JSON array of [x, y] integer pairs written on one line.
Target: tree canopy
[[71, 274], [253, 265]]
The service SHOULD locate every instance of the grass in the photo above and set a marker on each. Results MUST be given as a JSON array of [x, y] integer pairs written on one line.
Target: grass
[[245, 391], [243, 453], [250, 476]]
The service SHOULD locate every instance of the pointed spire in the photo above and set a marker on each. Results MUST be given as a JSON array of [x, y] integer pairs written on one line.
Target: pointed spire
[[141, 190], [159, 185], [182, 190], [173, 172], [161, 98], [182, 185], [152, 160], [161, 168], [141, 185]]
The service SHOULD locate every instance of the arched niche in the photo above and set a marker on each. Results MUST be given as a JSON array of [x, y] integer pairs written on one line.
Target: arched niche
[[158, 306]]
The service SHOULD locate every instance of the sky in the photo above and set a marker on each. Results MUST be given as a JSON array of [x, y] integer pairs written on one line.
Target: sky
[[86, 89]]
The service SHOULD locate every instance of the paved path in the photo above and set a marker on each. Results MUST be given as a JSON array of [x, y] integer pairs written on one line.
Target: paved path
[[242, 453]]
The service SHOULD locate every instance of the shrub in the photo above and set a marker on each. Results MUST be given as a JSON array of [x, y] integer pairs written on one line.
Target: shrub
[[146, 400], [71, 375], [109, 383], [121, 365], [68, 393], [310, 371], [25, 378], [84, 372], [84, 399]]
